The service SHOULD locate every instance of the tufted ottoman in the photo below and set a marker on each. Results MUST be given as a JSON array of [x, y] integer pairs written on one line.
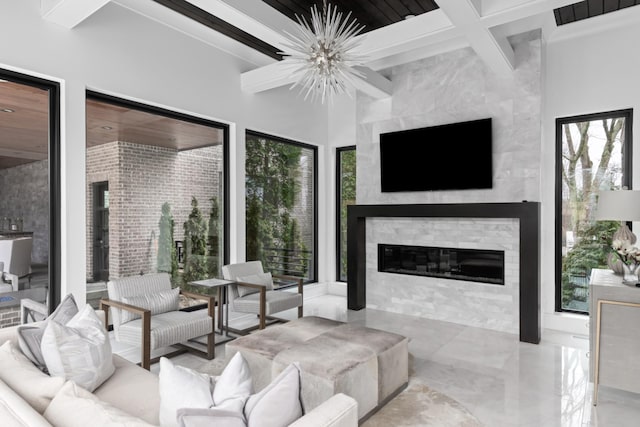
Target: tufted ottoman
[[335, 357]]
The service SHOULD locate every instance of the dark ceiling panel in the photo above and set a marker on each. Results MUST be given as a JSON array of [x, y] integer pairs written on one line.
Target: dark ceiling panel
[[588, 9], [373, 14]]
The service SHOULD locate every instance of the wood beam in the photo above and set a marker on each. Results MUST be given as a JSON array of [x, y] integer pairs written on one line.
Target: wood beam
[[69, 13]]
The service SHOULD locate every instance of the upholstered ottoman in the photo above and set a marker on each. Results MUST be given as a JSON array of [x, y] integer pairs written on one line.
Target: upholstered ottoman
[[260, 348], [391, 350], [367, 364], [331, 365]]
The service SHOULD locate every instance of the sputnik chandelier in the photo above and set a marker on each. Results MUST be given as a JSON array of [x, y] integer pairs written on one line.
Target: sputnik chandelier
[[322, 52]]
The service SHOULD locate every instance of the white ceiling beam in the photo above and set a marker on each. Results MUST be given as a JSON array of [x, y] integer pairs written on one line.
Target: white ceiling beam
[[69, 13], [187, 26], [374, 84], [281, 74], [251, 16], [498, 12], [267, 77], [496, 52], [420, 31]]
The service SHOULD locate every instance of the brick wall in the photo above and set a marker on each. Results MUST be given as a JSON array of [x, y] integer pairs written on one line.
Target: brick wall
[[142, 179], [25, 193], [9, 316]]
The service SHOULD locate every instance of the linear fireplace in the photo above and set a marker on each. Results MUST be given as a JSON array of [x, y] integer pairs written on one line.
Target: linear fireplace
[[475, 265]]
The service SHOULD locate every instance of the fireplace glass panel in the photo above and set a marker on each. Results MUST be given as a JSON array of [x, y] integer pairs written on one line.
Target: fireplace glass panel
[[475, 265]]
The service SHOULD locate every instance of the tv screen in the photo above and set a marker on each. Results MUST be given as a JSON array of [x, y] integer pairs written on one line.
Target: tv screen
[[455, 156]]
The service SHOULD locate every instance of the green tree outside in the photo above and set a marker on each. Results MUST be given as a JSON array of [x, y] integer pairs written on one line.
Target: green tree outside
[[195, 240]]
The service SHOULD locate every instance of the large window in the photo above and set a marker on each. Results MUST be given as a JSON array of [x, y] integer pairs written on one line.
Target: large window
[[156, 193], [281, 205], [593, 152], [346, 195], [29, 193]]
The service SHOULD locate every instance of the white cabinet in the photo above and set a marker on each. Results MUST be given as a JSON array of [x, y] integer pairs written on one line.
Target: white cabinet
[[619, 354]]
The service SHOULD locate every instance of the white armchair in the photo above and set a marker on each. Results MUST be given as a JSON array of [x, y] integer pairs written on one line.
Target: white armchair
[[15, 255], [253, 292], [145, 313]]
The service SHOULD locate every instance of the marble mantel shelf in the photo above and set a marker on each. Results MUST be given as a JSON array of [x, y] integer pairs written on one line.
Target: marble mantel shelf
[[527, 212]]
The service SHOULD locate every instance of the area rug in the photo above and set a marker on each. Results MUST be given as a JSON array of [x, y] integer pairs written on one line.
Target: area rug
[[417, 405]]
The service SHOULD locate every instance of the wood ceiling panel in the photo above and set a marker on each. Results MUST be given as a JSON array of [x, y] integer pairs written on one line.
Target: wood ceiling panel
[[24, 133], [141, 127]]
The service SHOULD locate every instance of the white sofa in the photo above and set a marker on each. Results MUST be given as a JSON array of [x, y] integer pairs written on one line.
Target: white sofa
[[134, 391]]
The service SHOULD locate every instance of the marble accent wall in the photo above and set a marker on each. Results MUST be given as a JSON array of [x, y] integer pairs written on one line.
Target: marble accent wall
[[471, 303], [454, 87]]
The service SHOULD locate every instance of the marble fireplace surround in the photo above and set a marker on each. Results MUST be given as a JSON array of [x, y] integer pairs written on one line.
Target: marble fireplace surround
[[528, 213]]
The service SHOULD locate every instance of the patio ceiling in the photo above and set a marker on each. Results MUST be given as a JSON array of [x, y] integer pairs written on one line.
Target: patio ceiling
[[24, 126]]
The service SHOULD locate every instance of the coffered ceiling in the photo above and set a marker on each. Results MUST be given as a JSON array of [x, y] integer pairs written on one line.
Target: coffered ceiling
[[397, 32]]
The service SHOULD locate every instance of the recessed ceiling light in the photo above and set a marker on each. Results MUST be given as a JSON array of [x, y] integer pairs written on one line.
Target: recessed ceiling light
[[409, 16], [4, 81], [107, 127], [8, 110]]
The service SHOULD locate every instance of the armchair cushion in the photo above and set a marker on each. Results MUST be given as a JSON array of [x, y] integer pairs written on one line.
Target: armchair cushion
[[256, 279], [79, 351], [157, 303], [276, 301], [168, 328]]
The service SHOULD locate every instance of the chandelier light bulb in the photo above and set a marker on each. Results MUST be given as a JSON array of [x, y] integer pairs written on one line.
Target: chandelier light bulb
[[322, 53]]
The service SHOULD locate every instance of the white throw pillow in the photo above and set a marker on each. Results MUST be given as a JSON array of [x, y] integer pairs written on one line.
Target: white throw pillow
[[157, 303], [79, 351], [33, 385], [182, 388], [278, 404], [255, 279], [234, 385], [76, 407], [30, 337]]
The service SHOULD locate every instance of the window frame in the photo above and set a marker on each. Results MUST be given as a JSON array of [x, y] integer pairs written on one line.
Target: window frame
[[152, 109], [55, 200], [339, 152], [314, 148], [627, 114]]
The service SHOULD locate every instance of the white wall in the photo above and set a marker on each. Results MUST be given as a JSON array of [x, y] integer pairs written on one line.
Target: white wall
[[119, 52], [593, 73]]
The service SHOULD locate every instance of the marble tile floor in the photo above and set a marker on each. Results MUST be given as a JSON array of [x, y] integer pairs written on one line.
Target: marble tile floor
[[500, 380]]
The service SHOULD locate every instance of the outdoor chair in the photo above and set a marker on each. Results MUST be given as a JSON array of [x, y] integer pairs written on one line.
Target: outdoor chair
[[253, 293], [145, 313], [15, 256]]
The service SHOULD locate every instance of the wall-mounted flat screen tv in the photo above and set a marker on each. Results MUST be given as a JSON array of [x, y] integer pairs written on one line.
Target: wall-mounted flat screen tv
[[455, 156]]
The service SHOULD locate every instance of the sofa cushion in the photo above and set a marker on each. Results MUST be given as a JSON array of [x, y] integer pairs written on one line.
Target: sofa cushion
[[33, 385], [207, 417], [278, 404], [181, 387], [74, 406], [16, 412], [129, 389], [255, 279], [30, 336], [79, 351], [157, 303]]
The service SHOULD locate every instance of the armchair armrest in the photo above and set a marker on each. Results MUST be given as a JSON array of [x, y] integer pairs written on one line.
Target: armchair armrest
[[105, 304], [296, 279], [263, 301], [211, 301]]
